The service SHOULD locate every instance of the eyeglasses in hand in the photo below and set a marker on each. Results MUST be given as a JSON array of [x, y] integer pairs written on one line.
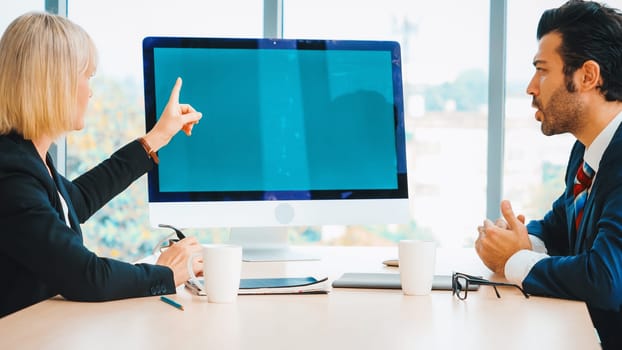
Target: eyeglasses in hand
[[460, 285], [167, 241]]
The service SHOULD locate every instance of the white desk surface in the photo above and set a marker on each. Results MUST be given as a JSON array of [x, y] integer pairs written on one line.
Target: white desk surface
[[342, 319]]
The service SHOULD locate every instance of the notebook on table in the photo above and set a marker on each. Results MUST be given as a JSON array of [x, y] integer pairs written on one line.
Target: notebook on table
[[387, 281]]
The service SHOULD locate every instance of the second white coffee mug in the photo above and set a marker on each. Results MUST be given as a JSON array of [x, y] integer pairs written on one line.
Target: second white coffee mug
[[417, 260]]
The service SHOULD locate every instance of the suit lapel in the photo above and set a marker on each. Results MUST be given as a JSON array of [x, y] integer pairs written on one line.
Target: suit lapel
[[602, 183], [572, 231], [586, 228]]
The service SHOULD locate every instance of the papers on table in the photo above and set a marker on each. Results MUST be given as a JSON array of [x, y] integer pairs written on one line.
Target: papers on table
[[279, 285]]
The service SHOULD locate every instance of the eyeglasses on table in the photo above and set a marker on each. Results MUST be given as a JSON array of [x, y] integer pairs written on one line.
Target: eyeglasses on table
[[460, 285]]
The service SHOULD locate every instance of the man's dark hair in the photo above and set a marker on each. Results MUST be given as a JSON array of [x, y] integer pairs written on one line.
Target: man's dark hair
[[589, 31]]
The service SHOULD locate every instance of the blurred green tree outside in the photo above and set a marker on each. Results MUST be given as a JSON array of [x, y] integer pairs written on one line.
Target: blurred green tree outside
[[114, 117]]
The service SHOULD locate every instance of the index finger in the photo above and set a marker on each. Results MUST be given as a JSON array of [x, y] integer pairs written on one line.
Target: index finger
[[175, 92]]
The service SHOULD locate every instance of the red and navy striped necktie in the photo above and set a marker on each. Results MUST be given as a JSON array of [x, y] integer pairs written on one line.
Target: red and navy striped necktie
[[582, 183]]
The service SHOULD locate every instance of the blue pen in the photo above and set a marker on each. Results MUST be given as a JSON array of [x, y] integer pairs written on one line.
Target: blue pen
[[172, 303]]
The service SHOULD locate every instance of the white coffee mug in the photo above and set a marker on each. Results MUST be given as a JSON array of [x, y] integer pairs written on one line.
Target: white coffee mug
[[222, 268], [417, 260]]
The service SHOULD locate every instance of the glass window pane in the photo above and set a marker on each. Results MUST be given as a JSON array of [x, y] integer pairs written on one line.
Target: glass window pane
[[445, 77], [116, 110], [13, 9]]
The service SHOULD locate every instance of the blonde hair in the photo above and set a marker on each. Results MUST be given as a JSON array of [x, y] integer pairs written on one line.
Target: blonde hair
[[41, 59]]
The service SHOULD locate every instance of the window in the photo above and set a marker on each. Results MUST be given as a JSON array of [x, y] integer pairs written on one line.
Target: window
[[445, 50], [116, 110], [444, 55], [445, 63], [13, 9]]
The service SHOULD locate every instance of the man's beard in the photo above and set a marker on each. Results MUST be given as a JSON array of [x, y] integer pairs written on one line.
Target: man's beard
[[562, 114]]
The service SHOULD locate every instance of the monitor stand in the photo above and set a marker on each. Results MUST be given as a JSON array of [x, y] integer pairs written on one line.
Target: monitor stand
[[266, 244]]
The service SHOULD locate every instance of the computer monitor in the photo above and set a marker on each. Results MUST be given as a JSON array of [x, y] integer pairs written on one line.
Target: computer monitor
[[294, 132]]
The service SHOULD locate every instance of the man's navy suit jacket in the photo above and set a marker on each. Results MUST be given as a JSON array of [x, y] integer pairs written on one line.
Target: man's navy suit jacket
[[586, 264]]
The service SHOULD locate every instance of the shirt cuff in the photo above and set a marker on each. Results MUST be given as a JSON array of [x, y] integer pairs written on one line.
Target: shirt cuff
[[537, 245], [518, 265]]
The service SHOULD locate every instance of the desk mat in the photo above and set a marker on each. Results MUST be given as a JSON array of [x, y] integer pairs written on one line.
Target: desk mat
[[387, 281]]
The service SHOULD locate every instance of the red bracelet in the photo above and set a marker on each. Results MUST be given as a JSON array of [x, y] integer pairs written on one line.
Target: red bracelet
[[150, 152]]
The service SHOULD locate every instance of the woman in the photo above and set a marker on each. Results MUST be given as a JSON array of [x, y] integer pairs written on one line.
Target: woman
[[46, 62]]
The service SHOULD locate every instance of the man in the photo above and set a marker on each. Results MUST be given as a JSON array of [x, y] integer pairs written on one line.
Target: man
[[575, 251]]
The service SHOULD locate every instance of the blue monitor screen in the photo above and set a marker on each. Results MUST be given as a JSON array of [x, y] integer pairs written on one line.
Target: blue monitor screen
[[282, 119]]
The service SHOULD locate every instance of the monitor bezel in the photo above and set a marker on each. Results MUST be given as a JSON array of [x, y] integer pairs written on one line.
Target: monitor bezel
[[157, 196]]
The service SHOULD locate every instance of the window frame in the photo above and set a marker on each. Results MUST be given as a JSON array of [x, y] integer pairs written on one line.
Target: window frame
[[58, 150]]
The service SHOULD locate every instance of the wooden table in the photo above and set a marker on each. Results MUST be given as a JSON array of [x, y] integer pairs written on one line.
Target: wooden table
[[342, 319]]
